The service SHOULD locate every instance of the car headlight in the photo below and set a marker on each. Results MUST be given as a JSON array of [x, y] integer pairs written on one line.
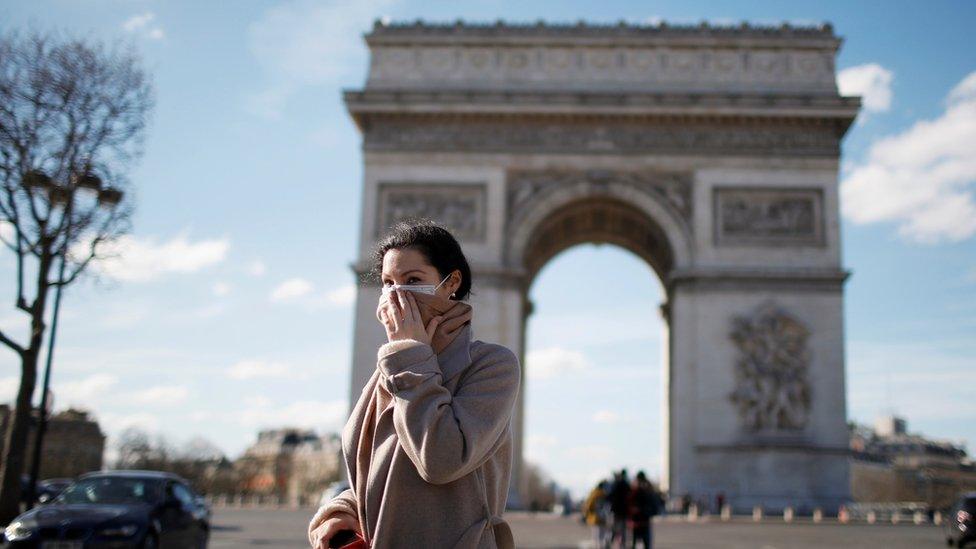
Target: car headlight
[[17, 530], [119, 531]]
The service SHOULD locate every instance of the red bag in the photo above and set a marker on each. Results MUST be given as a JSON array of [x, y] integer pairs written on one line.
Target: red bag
[[356, 541]]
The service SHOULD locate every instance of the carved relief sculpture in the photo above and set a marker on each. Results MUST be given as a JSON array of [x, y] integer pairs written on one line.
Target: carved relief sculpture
[[768, 216], [772, 391], [461, 207]]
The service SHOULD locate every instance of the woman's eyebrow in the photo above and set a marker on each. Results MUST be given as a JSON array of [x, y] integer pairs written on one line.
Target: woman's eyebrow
[[405, 273]]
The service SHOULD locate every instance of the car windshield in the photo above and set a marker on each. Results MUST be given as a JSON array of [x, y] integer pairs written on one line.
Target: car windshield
[[111, 490]]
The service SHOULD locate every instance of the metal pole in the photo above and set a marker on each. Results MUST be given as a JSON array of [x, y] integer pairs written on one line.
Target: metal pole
[[42, 423]]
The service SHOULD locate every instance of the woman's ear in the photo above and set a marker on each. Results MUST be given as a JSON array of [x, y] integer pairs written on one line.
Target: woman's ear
[[455, 282]]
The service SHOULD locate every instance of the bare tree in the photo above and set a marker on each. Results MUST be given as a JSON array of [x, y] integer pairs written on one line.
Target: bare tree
[[72, 117]]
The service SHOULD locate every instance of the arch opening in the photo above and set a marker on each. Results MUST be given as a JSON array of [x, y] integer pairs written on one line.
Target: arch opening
[[599, 220], [630, 231], [595, 371]]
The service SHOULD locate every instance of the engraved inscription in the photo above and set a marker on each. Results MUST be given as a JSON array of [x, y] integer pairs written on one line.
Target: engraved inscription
[[768, 216], [459, 207]]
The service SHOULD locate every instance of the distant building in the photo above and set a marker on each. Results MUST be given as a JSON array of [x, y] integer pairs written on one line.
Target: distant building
[[315, 466], [890, 464], [73, 442], [291, 464]]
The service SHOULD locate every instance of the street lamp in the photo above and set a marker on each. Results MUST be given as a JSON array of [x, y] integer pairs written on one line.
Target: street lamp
[[60, 194]]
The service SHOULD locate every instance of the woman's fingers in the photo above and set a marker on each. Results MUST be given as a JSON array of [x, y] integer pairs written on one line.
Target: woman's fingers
[[414, 310]]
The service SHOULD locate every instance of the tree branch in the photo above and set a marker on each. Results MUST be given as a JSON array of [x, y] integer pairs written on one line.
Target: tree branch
[[11, 343]]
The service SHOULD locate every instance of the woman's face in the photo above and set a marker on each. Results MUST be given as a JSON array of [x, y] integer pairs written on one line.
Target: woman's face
[[408, 266]]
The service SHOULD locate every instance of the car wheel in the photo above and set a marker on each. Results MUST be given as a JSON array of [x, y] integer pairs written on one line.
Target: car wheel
[[150, 542]]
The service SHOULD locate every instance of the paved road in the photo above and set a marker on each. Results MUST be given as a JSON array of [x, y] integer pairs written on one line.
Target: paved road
[[285, 528]]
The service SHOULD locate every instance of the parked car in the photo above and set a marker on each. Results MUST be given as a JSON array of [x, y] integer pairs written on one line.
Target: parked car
[[960, 525], [49, 489], [118, 509]]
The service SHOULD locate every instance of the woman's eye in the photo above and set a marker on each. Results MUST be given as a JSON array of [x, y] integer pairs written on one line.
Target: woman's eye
[[413, 280]]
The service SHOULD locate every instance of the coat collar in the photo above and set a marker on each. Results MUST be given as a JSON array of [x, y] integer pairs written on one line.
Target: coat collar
[[457, 355]]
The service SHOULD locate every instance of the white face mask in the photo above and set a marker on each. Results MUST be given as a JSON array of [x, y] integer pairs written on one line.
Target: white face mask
[[421, 288]]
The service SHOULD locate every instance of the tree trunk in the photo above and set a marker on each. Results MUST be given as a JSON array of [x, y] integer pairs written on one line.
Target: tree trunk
[[16, 442]]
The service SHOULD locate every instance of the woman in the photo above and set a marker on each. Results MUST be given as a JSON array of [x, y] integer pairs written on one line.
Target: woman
[[428, 446]]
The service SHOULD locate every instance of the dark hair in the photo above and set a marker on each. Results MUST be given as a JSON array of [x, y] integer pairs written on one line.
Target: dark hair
[[434, 242]]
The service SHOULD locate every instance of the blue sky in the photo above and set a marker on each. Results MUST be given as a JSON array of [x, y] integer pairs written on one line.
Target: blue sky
[[232, 311]]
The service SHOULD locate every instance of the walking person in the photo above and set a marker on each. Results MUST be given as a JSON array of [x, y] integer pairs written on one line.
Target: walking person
[[596, 511], [428, 447], [645, 503], [619, 506]]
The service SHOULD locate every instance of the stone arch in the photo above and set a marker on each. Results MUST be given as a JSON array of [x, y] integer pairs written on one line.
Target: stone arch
[[588, 211], [599, 221]]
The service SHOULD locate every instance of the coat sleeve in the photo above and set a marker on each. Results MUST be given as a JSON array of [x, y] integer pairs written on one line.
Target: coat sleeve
[[445, 436], [345, 502]]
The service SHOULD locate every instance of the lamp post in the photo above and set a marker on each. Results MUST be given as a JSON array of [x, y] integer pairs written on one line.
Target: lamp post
[[105, 196]]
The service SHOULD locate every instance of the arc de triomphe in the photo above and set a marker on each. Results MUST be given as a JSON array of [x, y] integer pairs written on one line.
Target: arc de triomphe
[[710, 152]]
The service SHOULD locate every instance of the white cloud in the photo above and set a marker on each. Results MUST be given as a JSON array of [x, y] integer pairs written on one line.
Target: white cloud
[[606, 416], [922, 179], [83, 392], [342, 296], [554, 361], [220, 289], [144, 23], [139, 260], [300, 290], [322, 415], [257, 268], [116, 423], [137, 22], [870, 81], [291, 289], [160, 395], [307, 42], [249, 369]]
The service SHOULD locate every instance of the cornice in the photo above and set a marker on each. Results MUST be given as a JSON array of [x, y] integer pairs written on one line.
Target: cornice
[[540, 33], [701, 106]]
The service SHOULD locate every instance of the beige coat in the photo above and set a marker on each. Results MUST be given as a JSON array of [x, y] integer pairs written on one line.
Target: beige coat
[[442, 449]]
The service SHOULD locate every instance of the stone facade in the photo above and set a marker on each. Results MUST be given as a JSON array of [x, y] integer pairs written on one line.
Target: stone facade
[[710, 152], [73, 443], [890, 465], [292, 465]]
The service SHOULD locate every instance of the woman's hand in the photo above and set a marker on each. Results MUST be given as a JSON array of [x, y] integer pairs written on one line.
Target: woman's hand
[[399, 314], [332, 526]]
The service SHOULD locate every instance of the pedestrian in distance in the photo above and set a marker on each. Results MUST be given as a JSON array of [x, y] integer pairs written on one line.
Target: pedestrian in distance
[[597, 514], [428, 446], [645, 503], [619, 501]]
